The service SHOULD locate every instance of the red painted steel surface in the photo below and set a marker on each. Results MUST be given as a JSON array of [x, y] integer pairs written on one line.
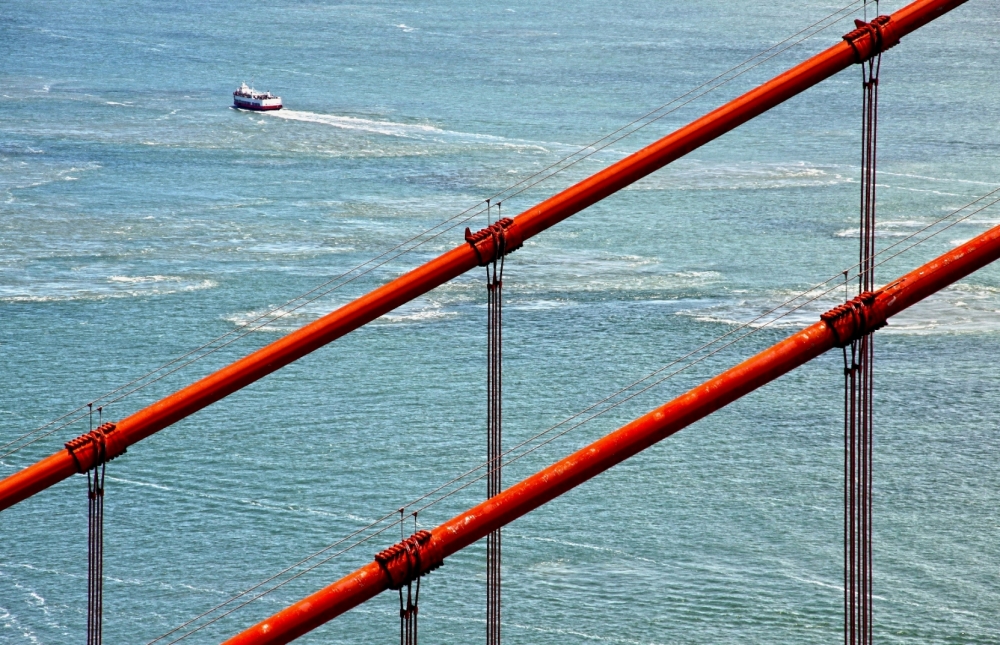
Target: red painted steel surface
[[529, 494], [251, 368]]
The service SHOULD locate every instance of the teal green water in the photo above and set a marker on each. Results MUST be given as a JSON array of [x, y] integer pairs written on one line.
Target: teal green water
[[140, 216]]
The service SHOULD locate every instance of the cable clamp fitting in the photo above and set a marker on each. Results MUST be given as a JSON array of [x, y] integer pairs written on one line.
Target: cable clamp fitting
[[871, 38], [495, 241], [98, 438], [410, 559], [855, 318]]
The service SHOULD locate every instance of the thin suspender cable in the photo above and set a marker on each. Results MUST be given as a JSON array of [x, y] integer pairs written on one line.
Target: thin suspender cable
[[494, 424], [95, 554], [859, 385], [281, 311], [95, 543], [408, 610]]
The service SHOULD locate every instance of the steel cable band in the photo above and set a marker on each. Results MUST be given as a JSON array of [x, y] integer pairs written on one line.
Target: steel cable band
[[406, 561], [855, 318], [98, 438], [495, 241], [870, 39]]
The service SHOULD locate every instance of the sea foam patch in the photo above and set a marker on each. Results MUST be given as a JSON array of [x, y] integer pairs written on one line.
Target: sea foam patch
[[288, 318], [690, 174], [116, 286], [960, 308]]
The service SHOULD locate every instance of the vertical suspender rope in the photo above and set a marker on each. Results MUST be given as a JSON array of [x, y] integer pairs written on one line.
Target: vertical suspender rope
[[95, 442], [95, 553], [858, 396], [408, 608], [494, 416], [95, 521], [491, 245]]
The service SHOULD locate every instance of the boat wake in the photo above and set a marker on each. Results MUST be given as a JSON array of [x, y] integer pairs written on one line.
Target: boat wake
[[418, 131], [408, 130]]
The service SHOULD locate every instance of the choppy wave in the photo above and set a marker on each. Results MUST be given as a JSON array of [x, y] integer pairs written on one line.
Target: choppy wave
[[888, 228], [961, 308], [691, 174], [9, 621], [20, 175], [613, 273], [294, 249], [128, 581], [564, 277], [578, 545], [905, 228], [940, 179], [745, 310], [287, 320], [283, 320], [116, 286], [228, 499], [561, 632], [418, 311]]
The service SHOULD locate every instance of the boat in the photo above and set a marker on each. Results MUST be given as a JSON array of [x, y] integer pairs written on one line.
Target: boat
[[247, 98]]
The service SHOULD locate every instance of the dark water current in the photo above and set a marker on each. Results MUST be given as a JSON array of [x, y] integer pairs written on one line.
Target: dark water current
[[141, 216]]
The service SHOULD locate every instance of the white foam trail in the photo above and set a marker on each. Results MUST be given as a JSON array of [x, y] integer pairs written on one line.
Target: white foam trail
[[420, 131], [144, 279], [390, 128], [960, 181]]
